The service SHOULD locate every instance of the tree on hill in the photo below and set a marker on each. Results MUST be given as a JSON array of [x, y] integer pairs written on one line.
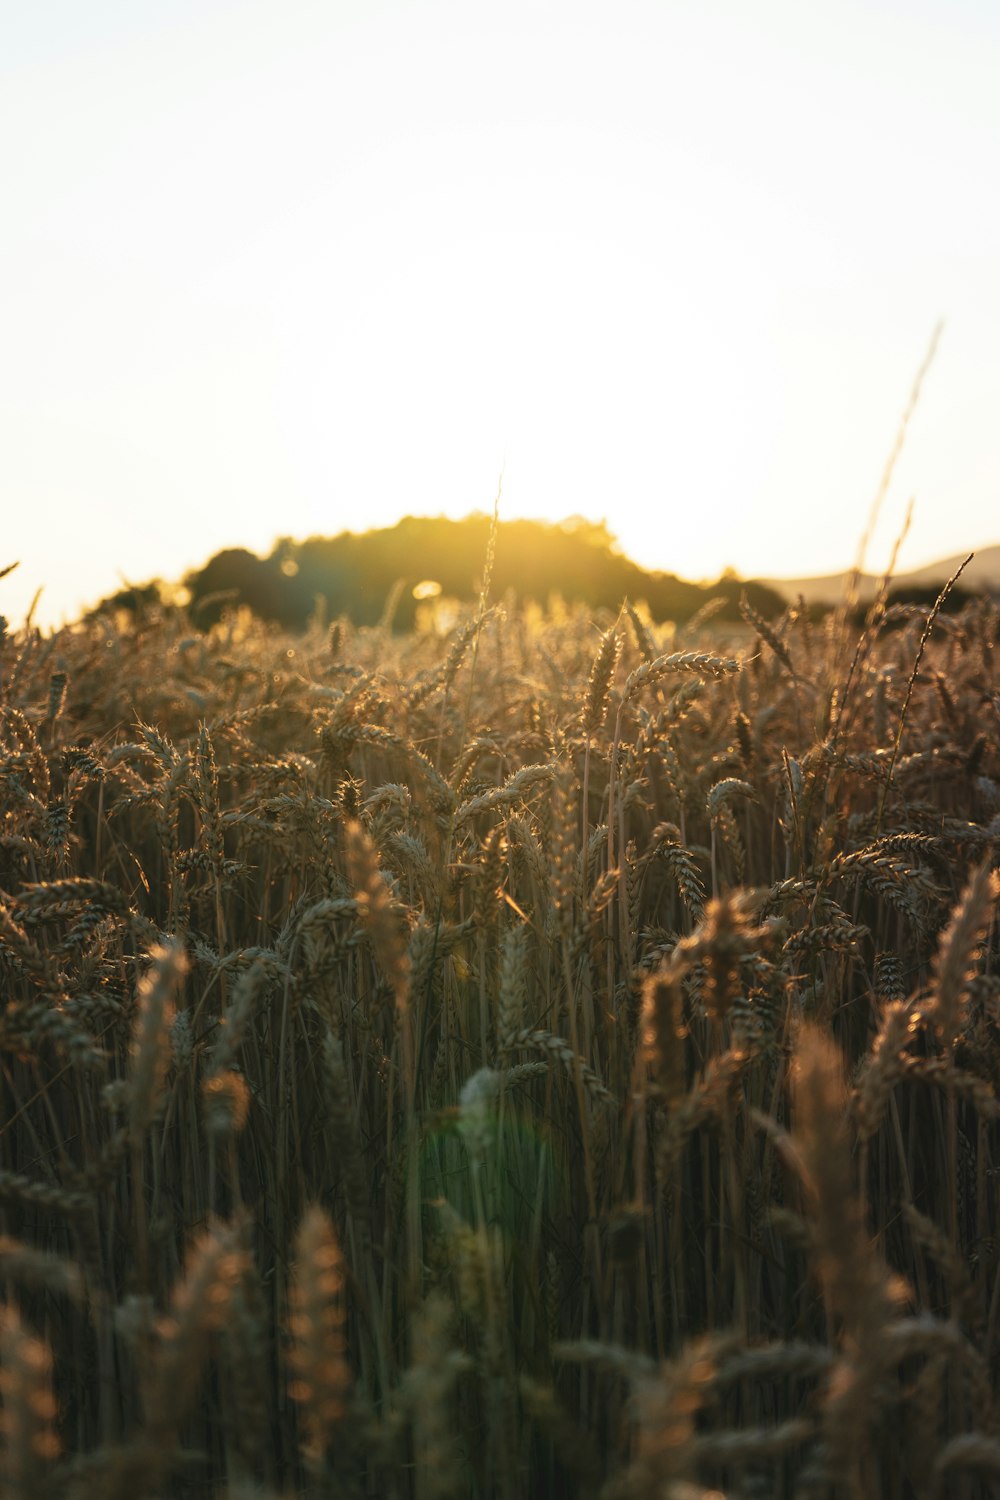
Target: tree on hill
[[238, 576], [353, 573]]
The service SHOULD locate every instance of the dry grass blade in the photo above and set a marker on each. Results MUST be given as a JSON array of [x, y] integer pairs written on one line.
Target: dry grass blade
[[643, 636], [151, 1035], [862, 1298], [513, 985], [320, 1378], [682, 865], [724, 940], [377, 911], [595, 708], [27, 1266], [972, 1450], [858, 1291], [514, 789], [925, 636], [702, 663], [954, 963], [560, 1051], [885, 1065], [27, 1409], [764, 631], [198, 1310], [666, 1405], [663, 1031], [428, 1395], [891, 461]]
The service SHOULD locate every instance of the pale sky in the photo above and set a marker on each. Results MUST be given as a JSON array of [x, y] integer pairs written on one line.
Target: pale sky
[[285, 268]]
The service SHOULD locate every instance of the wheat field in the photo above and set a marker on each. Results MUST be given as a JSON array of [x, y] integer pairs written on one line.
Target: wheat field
[[536, 1055]]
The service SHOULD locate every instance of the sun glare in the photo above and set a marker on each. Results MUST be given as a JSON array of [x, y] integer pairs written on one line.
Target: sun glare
[[428, 588]]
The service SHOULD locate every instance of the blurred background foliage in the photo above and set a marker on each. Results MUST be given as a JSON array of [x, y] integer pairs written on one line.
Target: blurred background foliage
[[355, 574]]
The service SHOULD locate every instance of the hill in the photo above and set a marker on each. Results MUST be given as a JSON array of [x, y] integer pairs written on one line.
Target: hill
[[982, 574]]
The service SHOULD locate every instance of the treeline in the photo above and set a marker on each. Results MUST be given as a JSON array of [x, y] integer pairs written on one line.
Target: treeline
[[368, 576], [360, 576]]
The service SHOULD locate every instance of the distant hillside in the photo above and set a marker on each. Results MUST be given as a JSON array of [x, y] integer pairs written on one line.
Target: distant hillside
[[983, 573], [355, 574]]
